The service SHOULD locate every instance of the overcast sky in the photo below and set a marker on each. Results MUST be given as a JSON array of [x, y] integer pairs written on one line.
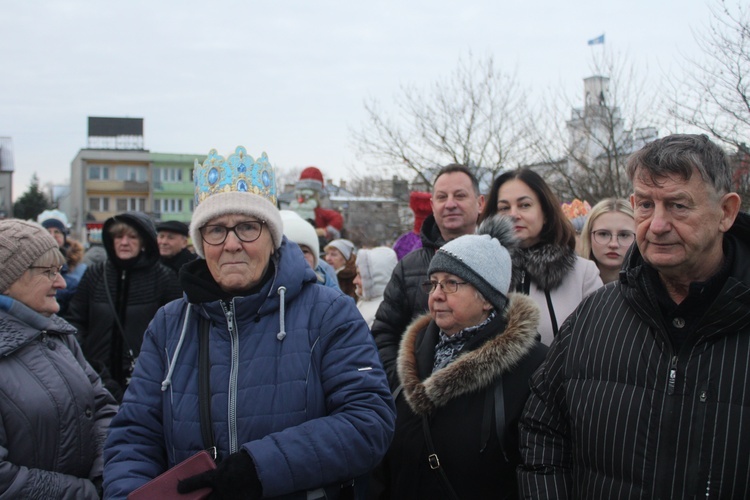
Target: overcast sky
[[286, 77]]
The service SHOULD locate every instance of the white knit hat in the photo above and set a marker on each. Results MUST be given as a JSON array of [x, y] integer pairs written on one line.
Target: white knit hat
[[481, 259], [238, 184], [301, 232], [346, 247]]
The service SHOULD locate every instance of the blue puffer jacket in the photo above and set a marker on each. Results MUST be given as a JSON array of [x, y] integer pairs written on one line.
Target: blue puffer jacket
[[295, 381]]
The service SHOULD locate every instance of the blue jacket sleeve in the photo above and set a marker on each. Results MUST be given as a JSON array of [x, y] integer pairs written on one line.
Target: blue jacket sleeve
[[360, 416]]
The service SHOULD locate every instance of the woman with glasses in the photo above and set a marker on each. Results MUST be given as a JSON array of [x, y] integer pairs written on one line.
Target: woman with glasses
[[546, 268], [607, 235], [55, 410], [464, 370], [116, 299], [279, 377]]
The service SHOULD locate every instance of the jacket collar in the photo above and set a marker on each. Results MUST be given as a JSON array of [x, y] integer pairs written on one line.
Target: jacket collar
[[21, 325], [472, 370], [547, 264]]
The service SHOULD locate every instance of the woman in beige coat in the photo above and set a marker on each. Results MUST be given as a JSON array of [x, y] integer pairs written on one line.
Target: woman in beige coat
[[546, 268]]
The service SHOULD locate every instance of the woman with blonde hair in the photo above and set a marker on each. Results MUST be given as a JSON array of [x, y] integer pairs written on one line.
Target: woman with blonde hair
[[607, 235]]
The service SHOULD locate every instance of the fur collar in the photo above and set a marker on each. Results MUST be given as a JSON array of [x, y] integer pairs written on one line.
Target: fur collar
[[473, 370], [546, 264]]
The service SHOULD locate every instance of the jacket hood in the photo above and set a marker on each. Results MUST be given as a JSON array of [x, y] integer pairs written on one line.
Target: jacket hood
[[547, 264], [375, 266], [430, 234], [472, 370], [287, 268], [146, 230]]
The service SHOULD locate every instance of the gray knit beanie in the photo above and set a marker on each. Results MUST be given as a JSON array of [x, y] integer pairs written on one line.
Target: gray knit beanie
[[21, 244], [481, 259], [346, 248]]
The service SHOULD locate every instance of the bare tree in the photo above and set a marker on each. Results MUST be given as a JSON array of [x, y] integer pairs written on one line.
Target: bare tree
[[713, 95], [582, 151], [476, 116]]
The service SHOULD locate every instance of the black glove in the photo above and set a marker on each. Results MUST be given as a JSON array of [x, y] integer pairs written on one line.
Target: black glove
[[234, 479]]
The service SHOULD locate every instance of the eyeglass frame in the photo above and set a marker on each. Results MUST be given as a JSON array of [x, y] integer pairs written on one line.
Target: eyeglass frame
[[434, 284], [617, 235], [48, 271], [233, 229]]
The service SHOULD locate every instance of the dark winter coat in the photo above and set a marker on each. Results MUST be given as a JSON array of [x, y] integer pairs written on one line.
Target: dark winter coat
[[136, 291], [616, 412], [295, 381], [175, 262], [55, 410], [403, 299], [478, 452]]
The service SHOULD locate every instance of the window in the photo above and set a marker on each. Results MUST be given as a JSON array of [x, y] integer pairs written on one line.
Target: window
[[98, 173], [98, 204], [131, 173], [168, 205], [170, 174], [131, 204]]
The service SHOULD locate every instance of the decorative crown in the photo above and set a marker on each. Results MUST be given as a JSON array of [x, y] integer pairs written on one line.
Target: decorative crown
[[239, 172]]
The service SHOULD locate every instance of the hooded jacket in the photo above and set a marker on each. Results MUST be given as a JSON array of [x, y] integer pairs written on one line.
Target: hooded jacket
[[295, 381], [55, 410], [403, 298], [617, 412], [116, 293], [375, 266], [477, 449], [553, 274]]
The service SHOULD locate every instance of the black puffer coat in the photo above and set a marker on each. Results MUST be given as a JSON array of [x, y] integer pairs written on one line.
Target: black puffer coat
[[478, 452], [403, 298], [617, 412], [137, 289]]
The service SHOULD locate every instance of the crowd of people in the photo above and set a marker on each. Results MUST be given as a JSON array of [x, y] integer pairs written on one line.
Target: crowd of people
[[505, 347]]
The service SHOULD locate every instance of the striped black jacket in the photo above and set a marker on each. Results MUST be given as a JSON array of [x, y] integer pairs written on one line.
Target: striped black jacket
[[616, 413]]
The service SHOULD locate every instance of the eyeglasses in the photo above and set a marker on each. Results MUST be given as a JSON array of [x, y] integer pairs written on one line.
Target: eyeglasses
[[624, 238], [50, 271], [447, 286], [246, 232]]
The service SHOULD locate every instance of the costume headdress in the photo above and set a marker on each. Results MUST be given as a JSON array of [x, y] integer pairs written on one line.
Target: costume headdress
[[237, 184]]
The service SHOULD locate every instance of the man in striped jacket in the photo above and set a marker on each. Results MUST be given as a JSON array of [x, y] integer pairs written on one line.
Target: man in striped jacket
[[645, 393]]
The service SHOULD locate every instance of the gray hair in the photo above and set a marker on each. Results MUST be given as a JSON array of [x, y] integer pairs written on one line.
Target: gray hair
[[680, 154]]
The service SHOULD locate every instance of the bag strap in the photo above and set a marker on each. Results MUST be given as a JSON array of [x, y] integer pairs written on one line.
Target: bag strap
[[552, 316], [117, 317], [434, 461], [204, 387]]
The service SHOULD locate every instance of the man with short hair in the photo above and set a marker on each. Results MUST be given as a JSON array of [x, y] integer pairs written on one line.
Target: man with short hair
[[456, 204], [645, 392], [172, 237]]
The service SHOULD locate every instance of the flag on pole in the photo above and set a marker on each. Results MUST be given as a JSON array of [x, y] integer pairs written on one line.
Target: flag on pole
[[598, 40]]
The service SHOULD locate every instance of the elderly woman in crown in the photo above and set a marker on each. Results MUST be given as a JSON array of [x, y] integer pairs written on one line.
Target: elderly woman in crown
[[278, 375]]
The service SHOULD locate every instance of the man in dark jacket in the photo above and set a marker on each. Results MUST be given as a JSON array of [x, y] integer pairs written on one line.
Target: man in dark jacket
[[172, 237], [644, 394], [456, 205], [117, 298]]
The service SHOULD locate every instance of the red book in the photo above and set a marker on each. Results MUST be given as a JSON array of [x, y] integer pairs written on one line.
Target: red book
[[164, 487]]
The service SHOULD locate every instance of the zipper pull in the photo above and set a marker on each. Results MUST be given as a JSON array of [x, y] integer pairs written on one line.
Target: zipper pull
[[230, 320], [672, 376]]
